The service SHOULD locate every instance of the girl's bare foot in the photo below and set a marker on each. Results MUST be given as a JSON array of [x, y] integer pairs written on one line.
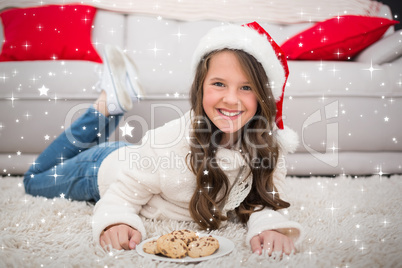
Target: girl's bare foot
[[100, 104]]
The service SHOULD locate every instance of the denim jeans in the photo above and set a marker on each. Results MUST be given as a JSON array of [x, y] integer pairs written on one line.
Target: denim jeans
[[68, 167]]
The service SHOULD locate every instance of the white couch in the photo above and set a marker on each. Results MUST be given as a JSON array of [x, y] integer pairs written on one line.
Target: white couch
[[346, 113]]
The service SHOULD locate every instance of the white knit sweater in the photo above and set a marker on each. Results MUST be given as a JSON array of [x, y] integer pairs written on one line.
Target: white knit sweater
[[152, 180]]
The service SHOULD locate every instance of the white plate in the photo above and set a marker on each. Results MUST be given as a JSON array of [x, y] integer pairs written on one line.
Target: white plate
[[225, 247]]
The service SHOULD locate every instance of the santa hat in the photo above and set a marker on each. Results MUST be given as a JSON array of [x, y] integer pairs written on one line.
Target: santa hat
[[254, 40]]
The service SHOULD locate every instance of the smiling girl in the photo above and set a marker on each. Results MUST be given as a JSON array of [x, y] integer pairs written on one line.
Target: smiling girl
[[232, 141]]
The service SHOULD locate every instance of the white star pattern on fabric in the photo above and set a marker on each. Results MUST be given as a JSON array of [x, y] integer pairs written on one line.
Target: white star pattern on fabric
[[127, 130], [43, 90]]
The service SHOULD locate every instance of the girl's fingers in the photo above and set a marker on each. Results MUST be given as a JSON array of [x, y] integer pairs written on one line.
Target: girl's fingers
[[272, 241], [105, 241], [269, 245], [123, 238], [255, 244], [278, 246], [114, 238], [287, 247], [135, 238], [120, 237]]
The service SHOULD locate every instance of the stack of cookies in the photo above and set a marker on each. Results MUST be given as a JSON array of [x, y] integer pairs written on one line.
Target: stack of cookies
[[182, 243]]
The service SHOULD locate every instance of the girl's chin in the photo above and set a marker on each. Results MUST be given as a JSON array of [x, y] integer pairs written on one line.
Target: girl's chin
[[228, 130]]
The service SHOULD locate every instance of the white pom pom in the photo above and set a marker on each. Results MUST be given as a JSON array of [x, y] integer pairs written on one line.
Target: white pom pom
[[288, 139]]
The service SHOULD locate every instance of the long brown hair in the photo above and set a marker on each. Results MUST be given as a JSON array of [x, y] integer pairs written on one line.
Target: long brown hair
[[259, 149]]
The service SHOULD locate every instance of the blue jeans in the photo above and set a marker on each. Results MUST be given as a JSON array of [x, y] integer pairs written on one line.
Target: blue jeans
[[68, 167]]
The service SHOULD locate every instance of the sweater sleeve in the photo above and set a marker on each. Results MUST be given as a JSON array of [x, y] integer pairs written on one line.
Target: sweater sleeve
[[134, 187], [268, 219]]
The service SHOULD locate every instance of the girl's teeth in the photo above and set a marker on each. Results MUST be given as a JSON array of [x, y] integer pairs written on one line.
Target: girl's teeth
[[229, 113]]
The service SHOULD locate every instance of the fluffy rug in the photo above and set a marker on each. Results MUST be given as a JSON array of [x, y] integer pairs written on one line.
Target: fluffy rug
[[348, 222]]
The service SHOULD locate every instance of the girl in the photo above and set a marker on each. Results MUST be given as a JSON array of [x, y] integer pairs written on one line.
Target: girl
[[223, 158]]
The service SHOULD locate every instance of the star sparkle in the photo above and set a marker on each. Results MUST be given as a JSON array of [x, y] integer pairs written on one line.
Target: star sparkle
[[208, 187], [371, 69], [332, 208], [55, 175], [43, 90], [127, 129], [3, 77], [155, 49], [179, 34], [12, 99]]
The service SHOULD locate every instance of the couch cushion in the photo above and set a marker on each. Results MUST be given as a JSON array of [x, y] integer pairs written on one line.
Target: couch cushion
[[163, 55], [339, 38], [48, 33], [64, 79], [385, 50], [109, 28], [343, 78]]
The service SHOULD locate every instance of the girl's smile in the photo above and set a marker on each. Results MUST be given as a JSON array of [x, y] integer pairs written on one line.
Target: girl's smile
[[230, 114], [228, 98]]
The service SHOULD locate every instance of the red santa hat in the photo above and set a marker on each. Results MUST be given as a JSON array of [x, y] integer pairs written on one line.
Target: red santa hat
[[254, 40]]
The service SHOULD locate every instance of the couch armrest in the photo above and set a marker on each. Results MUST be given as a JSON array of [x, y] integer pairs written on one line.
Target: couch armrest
[[384, 50]]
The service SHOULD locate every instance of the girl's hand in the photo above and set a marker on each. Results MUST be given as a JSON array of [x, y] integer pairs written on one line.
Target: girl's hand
[[120, 236], [271, 241]]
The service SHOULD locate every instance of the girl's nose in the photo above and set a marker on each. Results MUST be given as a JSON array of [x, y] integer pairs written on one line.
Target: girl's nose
[[231, 97]]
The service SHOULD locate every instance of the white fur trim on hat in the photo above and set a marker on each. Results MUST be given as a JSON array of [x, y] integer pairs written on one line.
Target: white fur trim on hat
[[288, 139], [249, 40]]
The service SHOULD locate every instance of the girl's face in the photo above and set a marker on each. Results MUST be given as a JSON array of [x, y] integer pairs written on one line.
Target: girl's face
[[228, 99]]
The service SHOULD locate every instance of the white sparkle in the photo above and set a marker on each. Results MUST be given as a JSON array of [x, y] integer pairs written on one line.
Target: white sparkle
[[61, 160], [55, 175], [333, 148], [301, 13], [127, 129], [208, 187], [332, 208], [4, 77], [155, 49], [43, 90], [26, 45], [356, 240], [85, 19], [12, 99], [179, 35], [338, 53], [334, 70], [371, 69], [273, 193], [55, 98], [380, 172]]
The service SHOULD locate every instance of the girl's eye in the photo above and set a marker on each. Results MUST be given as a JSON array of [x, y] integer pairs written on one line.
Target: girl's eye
[[247, 88], [218, 84]]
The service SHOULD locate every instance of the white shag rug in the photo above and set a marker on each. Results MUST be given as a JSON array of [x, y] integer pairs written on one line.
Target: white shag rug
[[348, 222]]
